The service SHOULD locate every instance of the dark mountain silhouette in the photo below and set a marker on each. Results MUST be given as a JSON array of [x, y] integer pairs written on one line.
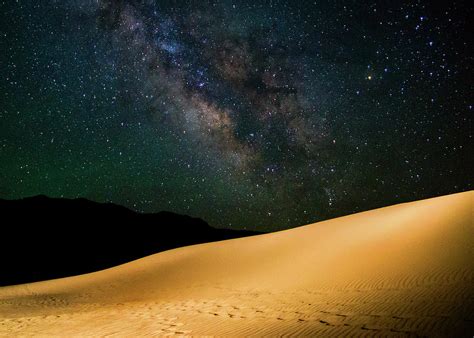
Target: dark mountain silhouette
[[43, 238]]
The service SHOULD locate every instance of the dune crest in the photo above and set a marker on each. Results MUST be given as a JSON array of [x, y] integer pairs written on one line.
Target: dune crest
[[407, 269]]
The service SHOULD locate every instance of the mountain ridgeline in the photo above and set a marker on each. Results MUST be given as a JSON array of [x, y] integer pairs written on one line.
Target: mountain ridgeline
[[44, 238]]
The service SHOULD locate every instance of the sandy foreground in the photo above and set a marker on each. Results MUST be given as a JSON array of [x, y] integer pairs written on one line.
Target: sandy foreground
[[401, 270]]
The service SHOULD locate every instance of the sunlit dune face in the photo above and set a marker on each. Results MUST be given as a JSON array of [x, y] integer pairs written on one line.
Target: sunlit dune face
[[401, 270]]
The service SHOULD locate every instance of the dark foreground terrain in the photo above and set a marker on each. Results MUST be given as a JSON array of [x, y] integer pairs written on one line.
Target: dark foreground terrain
[[44, 238]]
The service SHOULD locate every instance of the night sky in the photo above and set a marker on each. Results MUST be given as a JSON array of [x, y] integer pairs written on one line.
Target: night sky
[[249, 114]]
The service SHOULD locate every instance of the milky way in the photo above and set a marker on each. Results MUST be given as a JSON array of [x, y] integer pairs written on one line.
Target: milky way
[[259, 115]]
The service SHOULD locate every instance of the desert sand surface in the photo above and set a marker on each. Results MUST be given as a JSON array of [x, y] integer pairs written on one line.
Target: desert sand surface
[[404, 270]]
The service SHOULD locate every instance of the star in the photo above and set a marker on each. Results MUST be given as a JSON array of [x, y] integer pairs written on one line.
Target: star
[[224, 111]]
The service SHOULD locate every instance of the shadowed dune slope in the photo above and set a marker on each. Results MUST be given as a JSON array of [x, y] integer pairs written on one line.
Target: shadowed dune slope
[[45, 238], [401, 270]]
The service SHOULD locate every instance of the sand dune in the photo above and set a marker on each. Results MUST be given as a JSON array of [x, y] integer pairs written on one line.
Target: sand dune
[[401, 270]]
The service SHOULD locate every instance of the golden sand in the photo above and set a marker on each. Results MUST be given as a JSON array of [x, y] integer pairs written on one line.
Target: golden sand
[[404, 269]]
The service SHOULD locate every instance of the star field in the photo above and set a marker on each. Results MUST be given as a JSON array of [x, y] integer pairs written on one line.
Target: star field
[[258, 115]]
